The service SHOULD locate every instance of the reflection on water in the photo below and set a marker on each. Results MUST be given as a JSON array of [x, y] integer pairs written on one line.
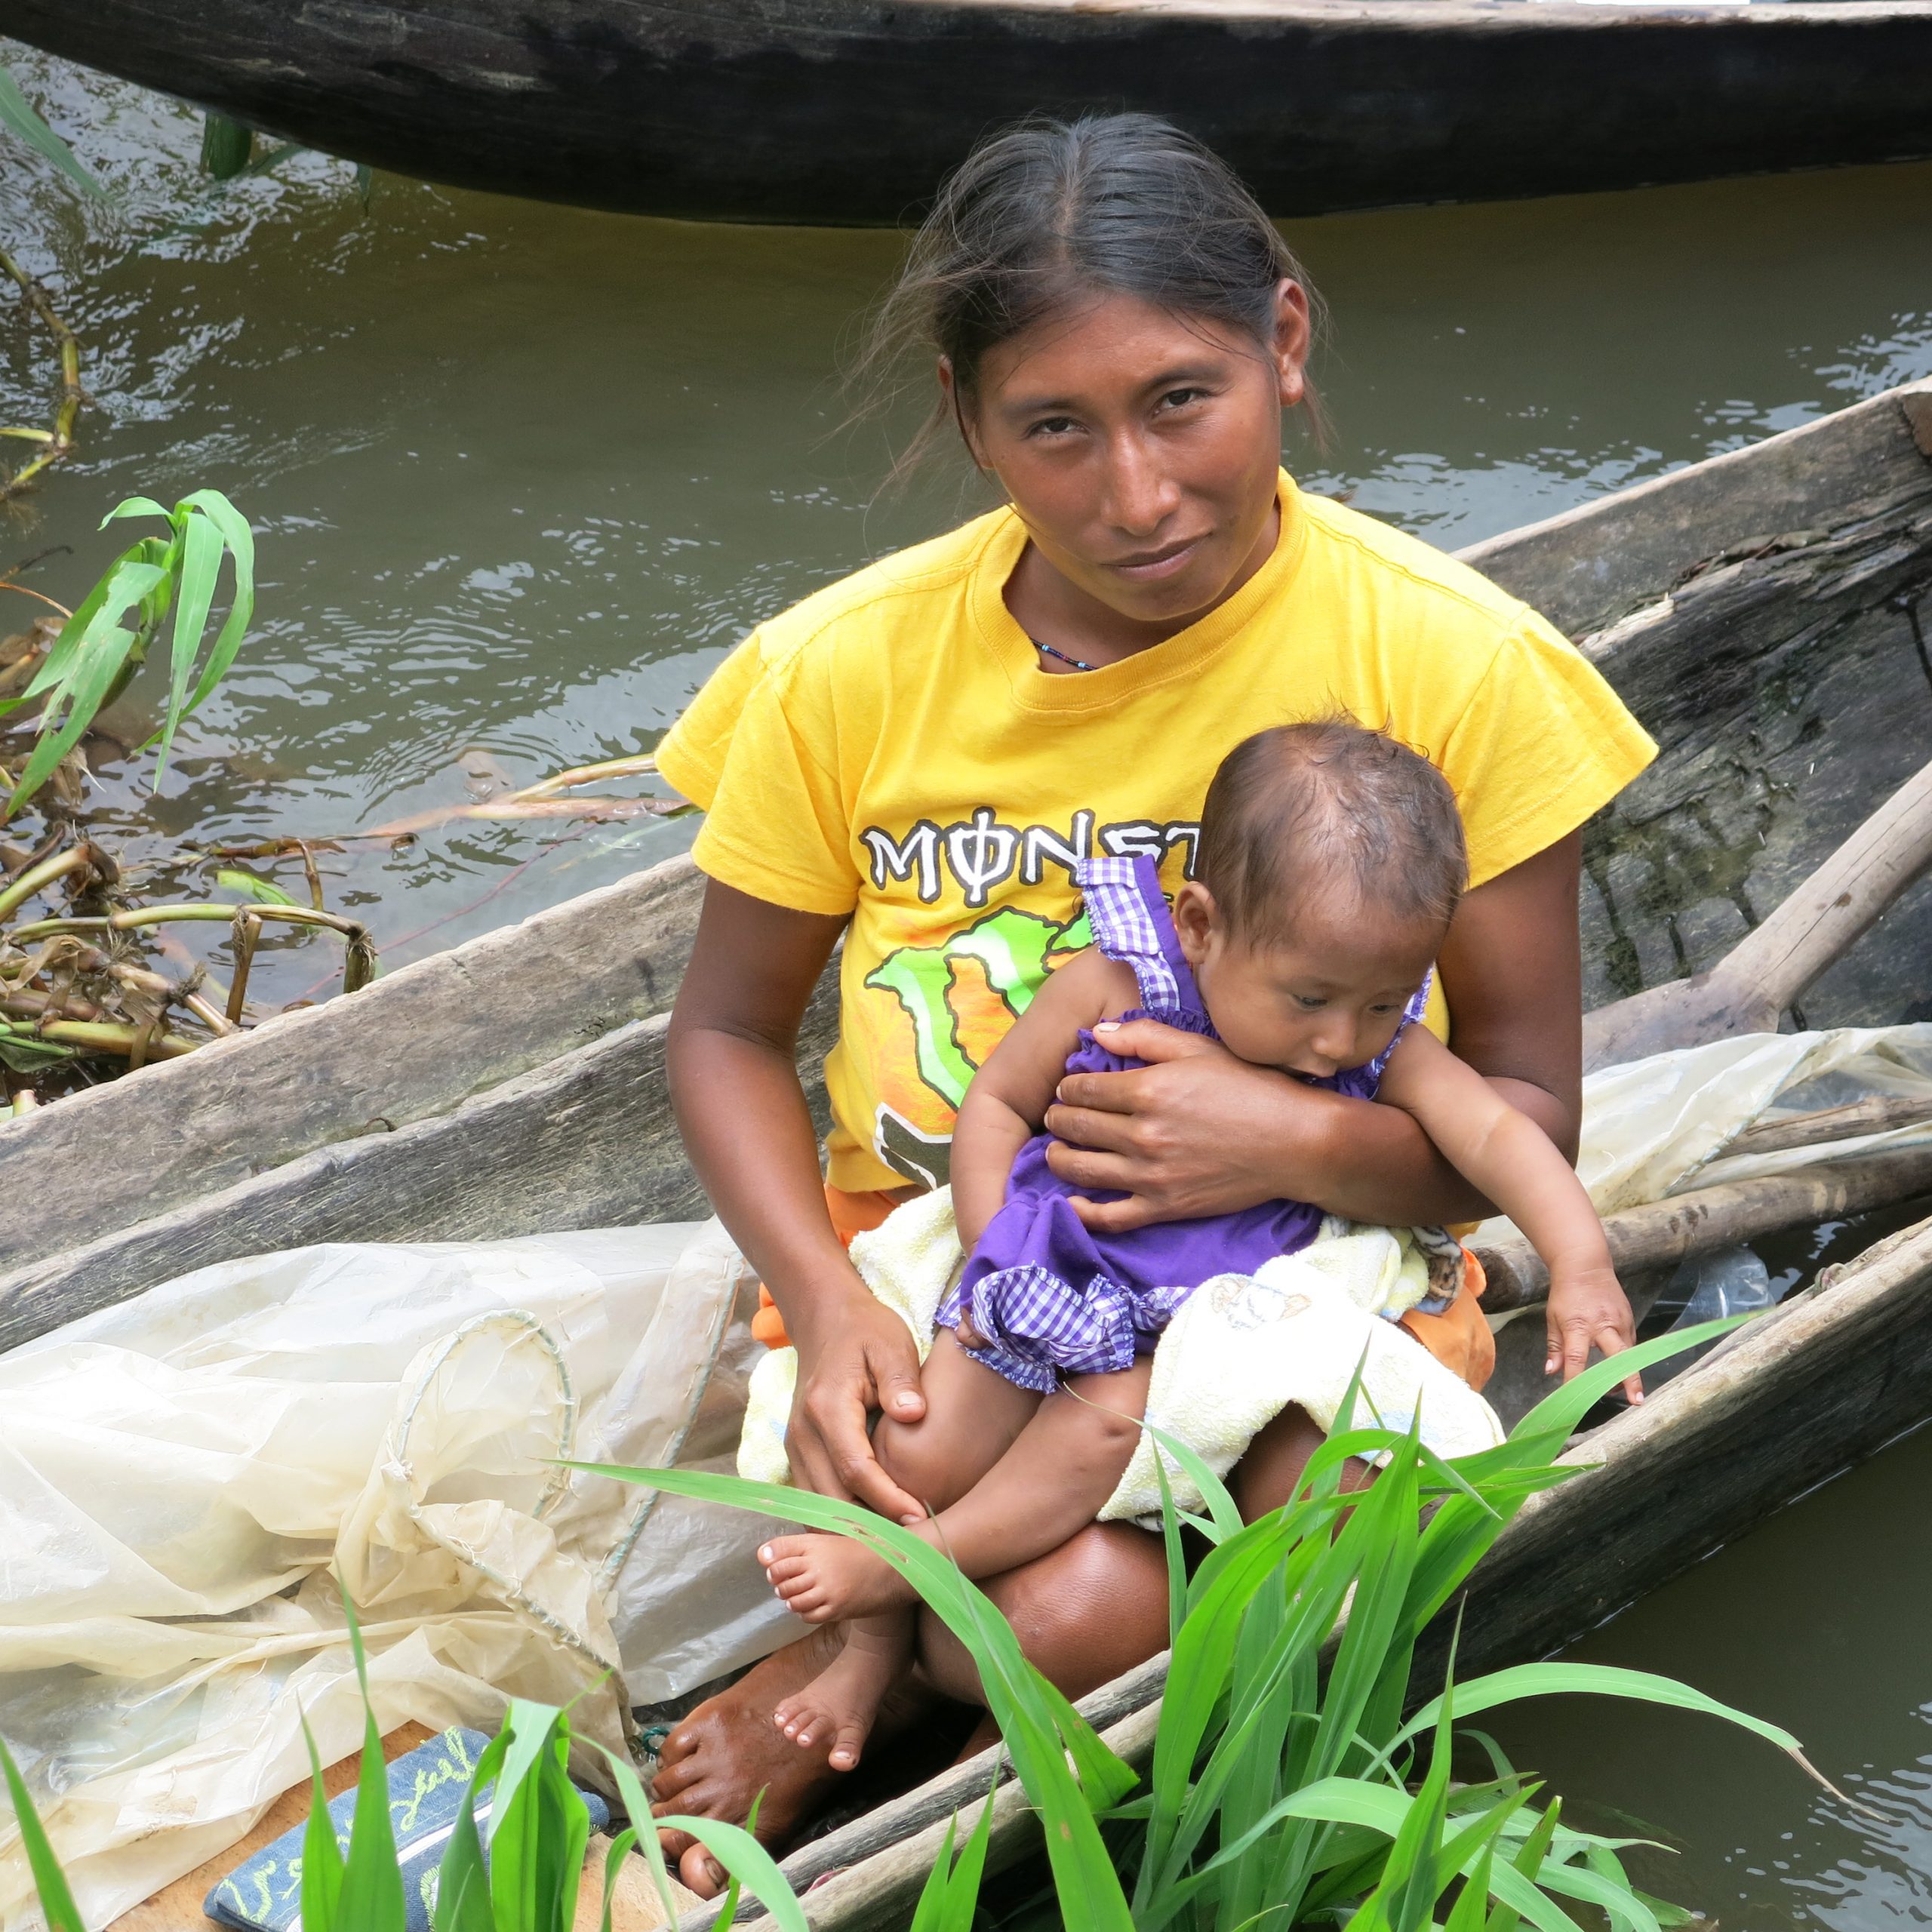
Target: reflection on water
[[520, 474], [1817, 1621]]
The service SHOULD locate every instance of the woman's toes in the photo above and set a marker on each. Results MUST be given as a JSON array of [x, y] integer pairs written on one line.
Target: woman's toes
[[700, 1872]]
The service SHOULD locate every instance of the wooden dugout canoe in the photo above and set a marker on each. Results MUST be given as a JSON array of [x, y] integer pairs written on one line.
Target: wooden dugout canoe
[[1763, 613], [851, 111]]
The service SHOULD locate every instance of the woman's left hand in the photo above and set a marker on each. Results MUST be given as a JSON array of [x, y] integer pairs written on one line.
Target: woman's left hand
[[1196, 1132]]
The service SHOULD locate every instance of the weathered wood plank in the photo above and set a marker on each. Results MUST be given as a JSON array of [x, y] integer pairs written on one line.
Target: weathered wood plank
[[412, 1044], [1585, 567], [586, 1141]]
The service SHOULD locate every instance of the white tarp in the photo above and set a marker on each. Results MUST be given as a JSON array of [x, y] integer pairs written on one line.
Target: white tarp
[[181, 1476]]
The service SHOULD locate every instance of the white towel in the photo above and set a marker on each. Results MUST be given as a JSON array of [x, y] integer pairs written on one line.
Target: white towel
[[1241, 1349]]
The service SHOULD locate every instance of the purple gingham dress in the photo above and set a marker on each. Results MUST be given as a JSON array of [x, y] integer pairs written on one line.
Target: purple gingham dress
[[1051, 1297]]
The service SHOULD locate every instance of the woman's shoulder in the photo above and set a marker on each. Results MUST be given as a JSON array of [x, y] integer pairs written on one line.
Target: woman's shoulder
[[868, 610], [1414, 579]]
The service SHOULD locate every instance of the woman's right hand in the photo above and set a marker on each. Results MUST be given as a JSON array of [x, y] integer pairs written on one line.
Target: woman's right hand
[[855, 1356]]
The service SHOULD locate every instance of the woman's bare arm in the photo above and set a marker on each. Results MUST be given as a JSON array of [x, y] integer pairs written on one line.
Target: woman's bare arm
[[746, 1125], [1010, 1093], [1202, 1133]]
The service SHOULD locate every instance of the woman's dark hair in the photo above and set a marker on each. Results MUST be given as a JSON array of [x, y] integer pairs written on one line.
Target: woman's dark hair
[[1048, 213], [1303, 809]]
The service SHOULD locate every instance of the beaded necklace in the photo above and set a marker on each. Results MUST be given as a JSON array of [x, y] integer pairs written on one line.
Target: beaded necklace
[[1078, 663]]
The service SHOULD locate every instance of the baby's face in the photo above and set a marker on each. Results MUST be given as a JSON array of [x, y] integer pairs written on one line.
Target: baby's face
[[1330, 998]]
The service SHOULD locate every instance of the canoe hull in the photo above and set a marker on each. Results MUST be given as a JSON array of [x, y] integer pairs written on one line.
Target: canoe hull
[[851, 111]]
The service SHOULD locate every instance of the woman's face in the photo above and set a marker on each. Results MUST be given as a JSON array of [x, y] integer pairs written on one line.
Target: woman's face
[[1141, 448]]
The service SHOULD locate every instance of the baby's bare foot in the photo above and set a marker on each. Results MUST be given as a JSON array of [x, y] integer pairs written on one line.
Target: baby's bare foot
[[827, 1579], [834, 1713]]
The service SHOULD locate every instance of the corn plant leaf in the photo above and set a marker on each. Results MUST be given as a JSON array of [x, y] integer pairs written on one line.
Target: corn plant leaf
[[613, 1863], [56, 1902], [637, 1805], [462, 1877], [1601, 1680], [1222, 1511], [961, 1904], [749, 1865], [1041, 1728], [929, 1911], [321, 1856], [371, 1900], [1555, 1417], [20, 118], [538, 1826]]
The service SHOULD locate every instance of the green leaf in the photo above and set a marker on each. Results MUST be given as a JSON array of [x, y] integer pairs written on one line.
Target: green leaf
[[371, 1899], [539, 1825], [18, 118], [262, 891], [321, 1856], [1557, 1680], [56, 1902], [462, 1877], [226, 145], [1041, 1727], [239, 541], [637, 1807], [613, 1860], [201, 564], [749, 1865]]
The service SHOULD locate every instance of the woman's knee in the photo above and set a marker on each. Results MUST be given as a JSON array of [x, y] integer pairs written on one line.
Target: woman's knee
[[1094, 1607]]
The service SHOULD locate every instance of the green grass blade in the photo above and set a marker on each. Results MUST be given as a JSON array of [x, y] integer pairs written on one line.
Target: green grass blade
[[749, 1865], [1562, 1409], [321, 1856], [19, 118], [613, 1861], [56, 1902], [246, 885], [136, 507], [371, 1899], [962, 1895], [1176, 1559], [930, 1912], [462, 1877], [637, 1807], [1599, 1680], [1221, 1510]]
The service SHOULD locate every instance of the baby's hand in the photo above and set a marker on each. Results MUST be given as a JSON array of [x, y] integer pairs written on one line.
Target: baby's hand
[[1588, 1307]]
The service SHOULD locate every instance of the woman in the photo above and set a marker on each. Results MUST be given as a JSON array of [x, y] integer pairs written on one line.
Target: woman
[[916, 759]]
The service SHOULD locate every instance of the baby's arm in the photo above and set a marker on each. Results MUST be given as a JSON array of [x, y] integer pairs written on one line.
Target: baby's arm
[[1011, 1094], [1514, 1162]]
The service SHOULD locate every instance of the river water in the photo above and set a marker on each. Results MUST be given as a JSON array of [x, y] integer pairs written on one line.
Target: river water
[[520, 475]]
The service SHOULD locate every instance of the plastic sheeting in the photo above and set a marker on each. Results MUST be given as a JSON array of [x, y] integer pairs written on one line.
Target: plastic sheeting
[[180, 1476]]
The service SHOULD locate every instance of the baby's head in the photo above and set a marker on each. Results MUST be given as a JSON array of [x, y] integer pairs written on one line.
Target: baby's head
[[1331, 860]]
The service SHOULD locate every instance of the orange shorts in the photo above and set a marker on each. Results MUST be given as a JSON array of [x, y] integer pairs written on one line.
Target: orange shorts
[[1459, 1337]]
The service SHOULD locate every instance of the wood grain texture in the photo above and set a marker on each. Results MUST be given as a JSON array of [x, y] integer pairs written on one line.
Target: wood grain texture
[[413, 1044], [853, 110], [588, 1141]]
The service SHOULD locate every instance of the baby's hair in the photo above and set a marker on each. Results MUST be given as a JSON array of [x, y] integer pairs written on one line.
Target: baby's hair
[[1304, 808]]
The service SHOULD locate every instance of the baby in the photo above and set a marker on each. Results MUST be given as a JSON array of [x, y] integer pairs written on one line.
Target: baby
[[1331, 860]]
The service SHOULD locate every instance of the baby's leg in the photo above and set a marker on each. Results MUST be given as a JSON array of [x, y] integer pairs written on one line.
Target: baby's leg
[[973, 1416], [1052, 1482], [834, 1712], [1055, 1479]]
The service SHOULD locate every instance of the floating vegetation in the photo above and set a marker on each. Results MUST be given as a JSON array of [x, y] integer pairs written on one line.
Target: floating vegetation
[[56, 442]]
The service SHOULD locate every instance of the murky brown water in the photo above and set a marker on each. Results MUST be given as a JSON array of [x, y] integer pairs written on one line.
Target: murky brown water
[[520, 474]]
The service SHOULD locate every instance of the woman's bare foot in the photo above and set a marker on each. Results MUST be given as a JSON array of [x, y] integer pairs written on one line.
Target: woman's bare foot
[[839, 1704], [722, 1756], [829, 1579]]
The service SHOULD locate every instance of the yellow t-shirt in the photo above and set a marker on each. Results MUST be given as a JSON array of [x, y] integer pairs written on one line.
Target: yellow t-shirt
[[891, 749]]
